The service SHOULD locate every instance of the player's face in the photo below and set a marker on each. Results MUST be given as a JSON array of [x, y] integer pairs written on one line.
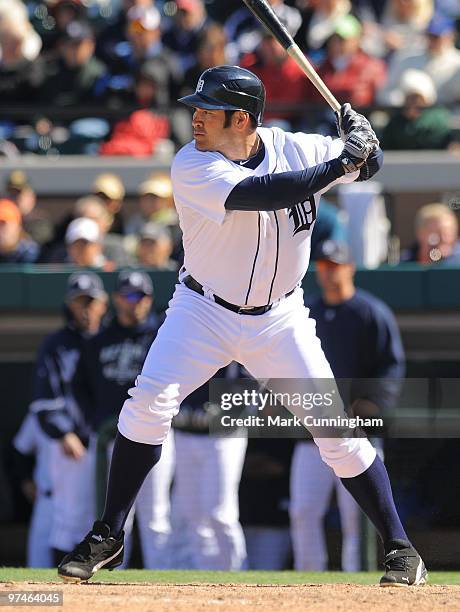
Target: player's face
[[208, 129], [132, 308], [87, 313], [332, 276]]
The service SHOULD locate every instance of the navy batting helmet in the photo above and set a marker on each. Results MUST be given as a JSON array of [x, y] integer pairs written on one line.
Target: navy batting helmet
[[229, 88]]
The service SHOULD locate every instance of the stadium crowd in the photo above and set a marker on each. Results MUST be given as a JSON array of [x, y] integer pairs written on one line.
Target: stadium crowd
[[102, 76]]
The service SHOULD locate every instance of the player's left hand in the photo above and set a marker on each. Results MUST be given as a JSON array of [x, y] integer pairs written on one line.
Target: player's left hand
[[348, 120]]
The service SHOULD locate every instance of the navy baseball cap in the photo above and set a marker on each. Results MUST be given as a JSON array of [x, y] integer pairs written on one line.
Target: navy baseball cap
[[440, 24], [334, 251], [131, 282], [85, 283]]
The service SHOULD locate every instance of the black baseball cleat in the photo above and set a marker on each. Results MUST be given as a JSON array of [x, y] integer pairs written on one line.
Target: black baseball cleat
[[403, 567], [97, 550]]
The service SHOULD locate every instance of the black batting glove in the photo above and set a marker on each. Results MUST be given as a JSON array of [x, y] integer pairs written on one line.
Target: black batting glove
[[348, 120], [359, 144]]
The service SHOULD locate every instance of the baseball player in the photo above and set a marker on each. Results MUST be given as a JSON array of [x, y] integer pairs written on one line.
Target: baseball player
[[206, 481], [31, 440], [70, 463], [361, 341], [108, 366], [246, 197]]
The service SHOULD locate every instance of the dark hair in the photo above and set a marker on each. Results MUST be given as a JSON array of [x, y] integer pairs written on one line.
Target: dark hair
[[228, 118]]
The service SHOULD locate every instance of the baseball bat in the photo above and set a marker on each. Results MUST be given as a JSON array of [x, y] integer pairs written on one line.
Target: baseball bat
[[269, 19]]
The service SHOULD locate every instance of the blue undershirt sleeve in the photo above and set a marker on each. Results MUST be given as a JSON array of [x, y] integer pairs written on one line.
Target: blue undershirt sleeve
[[372, 165], [284, 189]]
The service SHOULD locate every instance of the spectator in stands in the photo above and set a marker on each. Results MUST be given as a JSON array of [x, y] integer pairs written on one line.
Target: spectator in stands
[[349, 72], [110, 189], [319, 21], [145, 44], [107, 368], [284, 81], [155, 204], [71, 465], [244, 32], [155, 247], [113, 245], [369, 10], [182, 37], [21, 70], [62, 13], [402, 27], [15, 245], [436, 232], [361, 341], [210, 51], [418, 125], [440, 60], [35, 221], [84, 245], [112, 40], [76, 76], [139, 135]]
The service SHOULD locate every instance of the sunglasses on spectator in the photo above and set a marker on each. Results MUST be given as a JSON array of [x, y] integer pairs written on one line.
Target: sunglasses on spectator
[[133, 296]]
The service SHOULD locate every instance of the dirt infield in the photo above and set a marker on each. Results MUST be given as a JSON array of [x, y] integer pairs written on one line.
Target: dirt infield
[[98, 597]]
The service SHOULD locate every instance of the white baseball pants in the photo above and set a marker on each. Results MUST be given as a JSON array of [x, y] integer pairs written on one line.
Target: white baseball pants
[[208, 474], [38, 537], [312, 484], [199, 336]]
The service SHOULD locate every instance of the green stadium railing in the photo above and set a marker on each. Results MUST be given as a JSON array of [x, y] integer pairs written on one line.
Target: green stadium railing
[[40, 288]]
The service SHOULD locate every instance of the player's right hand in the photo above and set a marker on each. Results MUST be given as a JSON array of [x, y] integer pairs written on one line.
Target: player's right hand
[[358, 146], [72, 446]]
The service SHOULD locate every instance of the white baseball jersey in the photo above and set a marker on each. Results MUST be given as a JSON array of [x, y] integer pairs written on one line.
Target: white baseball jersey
[[245, 257]]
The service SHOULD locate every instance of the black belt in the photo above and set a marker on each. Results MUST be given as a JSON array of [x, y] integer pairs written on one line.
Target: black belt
[[194, 285]]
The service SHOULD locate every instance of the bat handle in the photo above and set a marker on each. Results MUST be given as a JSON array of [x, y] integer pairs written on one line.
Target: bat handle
[[300, 59]]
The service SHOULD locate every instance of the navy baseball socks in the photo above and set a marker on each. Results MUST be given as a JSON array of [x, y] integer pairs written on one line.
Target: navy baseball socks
[[372, 492], [102, 547]]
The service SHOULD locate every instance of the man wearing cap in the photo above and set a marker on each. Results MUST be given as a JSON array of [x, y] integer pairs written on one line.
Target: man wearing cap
[[155, 247], [284, 81], [418, 124], [106, 370], [76, 76], [83, 239], [440, 60], [155, 204], [361, 340], [110, 189], [59, 415], [349, 72], [15, 245]]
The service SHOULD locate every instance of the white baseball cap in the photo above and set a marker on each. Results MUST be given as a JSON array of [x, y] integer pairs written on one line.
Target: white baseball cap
[[82, 229], [419, 82]]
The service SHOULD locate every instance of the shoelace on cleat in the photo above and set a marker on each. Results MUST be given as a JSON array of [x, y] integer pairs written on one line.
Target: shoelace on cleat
[[398, 563]]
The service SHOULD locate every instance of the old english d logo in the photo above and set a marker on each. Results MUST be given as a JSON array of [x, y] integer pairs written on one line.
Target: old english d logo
[[200, 85], [302, 216]]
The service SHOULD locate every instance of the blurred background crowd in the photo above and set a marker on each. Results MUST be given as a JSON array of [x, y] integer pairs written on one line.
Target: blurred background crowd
[[103, 76]]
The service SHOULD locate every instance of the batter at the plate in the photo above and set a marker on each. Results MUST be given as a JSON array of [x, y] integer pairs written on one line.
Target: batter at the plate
[[247, 200]]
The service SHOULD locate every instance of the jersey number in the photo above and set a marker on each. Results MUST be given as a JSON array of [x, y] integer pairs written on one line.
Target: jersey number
[[303, 219]]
